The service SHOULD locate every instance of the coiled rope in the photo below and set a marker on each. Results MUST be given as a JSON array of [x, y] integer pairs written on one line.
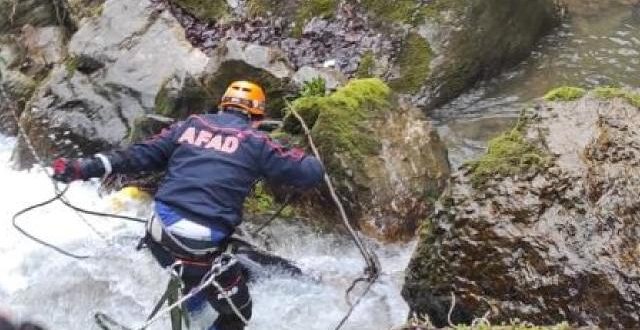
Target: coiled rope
[[59, 194]]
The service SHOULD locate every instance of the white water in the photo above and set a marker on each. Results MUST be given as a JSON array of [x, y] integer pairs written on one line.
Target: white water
[[39, 284]]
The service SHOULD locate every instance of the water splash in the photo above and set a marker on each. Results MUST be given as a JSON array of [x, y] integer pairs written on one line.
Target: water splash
[[61, 293]]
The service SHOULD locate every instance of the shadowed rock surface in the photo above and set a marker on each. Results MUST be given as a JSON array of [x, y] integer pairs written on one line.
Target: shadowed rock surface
[[431, 50], [112, 77], [551, 241]]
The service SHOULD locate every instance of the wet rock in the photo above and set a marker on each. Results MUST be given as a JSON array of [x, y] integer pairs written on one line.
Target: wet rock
[[385, 159], [432, 50], [118, 62], [182, 96], [43, 47], [17, 88], [239, 60], [558, 246], [15, 14], [477, 40], [81, 9], [333, 79]]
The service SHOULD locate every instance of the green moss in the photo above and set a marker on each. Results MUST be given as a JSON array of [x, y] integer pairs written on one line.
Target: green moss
[[410, 11], [366, 66], [508, 154], [615, 92], [83, 8], [400, 11], [163, 104], [261, 7], [338, 121], [414, 63], [309, 9], [208, 10], [260, 201], [565, 93], [71, 64], [315, 87], [434, 9]]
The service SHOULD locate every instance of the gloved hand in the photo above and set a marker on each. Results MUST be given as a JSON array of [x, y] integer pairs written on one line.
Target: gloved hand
[[69, 170]]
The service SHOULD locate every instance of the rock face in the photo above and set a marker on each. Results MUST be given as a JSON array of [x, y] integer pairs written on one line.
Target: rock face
[[117, 64], [555, 241], [431, 50], [385, 159], [15, 14]]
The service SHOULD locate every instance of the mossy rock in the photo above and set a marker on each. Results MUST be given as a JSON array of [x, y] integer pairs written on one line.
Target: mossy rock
[[349, 128], [608, 93], [146, 126], [80, 9], [399, 11], [508, 154], [411, 12], [338, 120], [261, 201], [414, 63], [564, 93], [366, 66], [16, 13], [207, 10], [309, 9], [180, 97], [338, 124]]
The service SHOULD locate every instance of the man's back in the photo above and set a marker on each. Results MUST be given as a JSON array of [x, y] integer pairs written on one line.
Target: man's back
[[215, 161]]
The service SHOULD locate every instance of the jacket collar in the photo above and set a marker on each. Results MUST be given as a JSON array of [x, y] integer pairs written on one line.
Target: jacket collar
[[233, 118]]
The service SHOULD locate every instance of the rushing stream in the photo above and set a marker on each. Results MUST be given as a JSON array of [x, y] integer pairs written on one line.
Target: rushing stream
[[598, 46], [62, 293]]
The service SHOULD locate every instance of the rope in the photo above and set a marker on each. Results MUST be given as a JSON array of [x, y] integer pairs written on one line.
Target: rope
[[286, 202], [14, 222], [372, 271], [59, 195], [209, 279]]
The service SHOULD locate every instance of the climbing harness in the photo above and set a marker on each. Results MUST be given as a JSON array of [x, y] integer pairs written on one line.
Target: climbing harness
[[171, 296], [221, 264], [372, 270]]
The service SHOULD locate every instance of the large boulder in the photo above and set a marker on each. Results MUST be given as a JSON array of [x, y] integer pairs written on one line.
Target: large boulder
[[117, 64], [385, 159], [431, 50], [237, 60], [544, 227], [26, 56]]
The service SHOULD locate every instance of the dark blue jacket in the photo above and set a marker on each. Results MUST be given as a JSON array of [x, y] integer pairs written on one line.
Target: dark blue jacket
[[212, 162]]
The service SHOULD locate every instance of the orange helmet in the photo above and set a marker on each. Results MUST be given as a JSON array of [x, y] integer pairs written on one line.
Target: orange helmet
[[245, 95]]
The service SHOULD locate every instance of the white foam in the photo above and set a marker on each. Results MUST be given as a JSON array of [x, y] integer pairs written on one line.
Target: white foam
[[38, 284]]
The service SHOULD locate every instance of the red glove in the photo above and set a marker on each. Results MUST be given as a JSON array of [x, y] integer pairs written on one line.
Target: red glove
[[66, 170]]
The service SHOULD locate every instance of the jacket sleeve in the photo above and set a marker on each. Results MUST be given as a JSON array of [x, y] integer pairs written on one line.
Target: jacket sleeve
[[152, 154], [290, 166]]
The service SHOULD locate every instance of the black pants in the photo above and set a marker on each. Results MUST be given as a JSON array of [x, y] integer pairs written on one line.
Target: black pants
[[233, 279]]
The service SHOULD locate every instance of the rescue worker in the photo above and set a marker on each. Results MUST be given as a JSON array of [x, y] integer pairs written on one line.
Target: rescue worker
[[212, 162]]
